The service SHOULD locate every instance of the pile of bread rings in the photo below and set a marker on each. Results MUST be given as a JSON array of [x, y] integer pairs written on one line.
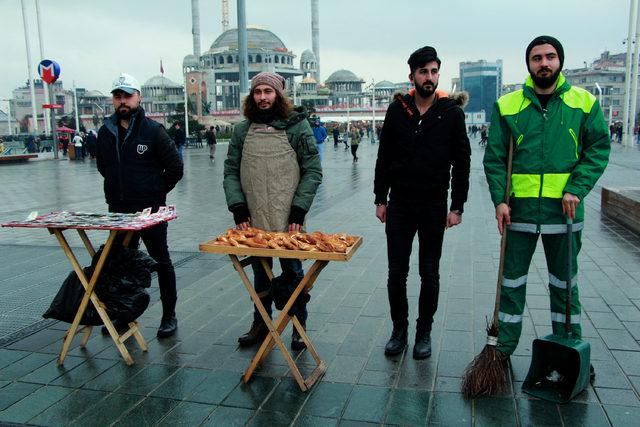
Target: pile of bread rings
[[297, 241]]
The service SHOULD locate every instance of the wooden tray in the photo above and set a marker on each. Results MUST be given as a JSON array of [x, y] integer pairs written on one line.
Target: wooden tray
[[280, 253]]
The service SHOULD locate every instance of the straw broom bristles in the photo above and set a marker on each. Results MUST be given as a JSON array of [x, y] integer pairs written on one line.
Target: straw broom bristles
[[487, 373]]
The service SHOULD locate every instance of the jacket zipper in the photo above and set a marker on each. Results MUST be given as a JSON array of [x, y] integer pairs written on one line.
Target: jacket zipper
[[544, 136], [575, 140]]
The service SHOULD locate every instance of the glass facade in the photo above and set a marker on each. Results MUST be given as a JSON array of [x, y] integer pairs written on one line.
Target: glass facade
[[482, 80]]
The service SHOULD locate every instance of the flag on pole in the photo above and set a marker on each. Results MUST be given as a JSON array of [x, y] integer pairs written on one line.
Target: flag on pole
[[161, 69]]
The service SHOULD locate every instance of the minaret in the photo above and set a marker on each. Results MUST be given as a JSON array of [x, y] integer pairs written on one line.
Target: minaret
[[195, 27], [225, 15], [315, 37]]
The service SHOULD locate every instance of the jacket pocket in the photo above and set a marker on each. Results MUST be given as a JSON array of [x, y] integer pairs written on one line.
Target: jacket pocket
[[575, 140]]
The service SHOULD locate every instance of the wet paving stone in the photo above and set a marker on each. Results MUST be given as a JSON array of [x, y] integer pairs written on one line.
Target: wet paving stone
[[195, 376], [187, 414]]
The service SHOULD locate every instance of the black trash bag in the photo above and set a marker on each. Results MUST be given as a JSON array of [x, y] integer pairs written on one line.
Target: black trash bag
[[126, 268], [282, 288], [122, 282], [67, 301]]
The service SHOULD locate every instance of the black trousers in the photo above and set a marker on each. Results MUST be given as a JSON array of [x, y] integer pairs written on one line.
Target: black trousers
[[404, 219], [155, 240]]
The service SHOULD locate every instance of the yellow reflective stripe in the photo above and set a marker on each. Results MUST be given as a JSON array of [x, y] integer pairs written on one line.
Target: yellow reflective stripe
[[525, 185], [553, 185], [576, 97], [575, 140], [512, 103], [528, 185], [519, 140]]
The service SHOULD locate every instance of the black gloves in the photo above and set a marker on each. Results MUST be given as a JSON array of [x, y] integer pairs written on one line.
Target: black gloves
[[296, 216], [240, 213]]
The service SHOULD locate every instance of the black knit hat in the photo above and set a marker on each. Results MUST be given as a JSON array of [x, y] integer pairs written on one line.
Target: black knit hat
[[422, 56], [546, 40]]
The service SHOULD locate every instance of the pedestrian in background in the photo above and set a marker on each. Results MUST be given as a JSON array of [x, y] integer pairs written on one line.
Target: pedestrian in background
[[211, 142], [355, 138]]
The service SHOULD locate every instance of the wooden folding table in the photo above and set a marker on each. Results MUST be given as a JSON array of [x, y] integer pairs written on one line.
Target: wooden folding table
[[321, 259], [126, 224]]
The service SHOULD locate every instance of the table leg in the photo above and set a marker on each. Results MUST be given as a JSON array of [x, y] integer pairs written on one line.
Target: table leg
[[276, 328], [89, 295], [283, 319], [85, 336], [87, 242], [270, 326]]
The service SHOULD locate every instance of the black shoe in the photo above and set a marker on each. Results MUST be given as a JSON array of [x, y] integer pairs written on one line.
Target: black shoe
[[257, 333], [397, 342], [422, 347], [297, 343], [592, 374], [120, 327], [168, 327]]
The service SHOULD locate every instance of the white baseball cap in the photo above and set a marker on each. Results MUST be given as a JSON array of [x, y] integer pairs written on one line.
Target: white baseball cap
[[125, 83]]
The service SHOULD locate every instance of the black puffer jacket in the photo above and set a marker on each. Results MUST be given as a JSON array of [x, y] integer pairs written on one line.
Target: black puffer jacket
[[419, 155], [142, 170]]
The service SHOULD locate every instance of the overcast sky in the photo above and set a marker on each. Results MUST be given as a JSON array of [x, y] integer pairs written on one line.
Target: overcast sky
[[95, 41]]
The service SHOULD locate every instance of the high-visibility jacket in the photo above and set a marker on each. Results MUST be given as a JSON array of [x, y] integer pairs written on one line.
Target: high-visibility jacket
[[561, 149]]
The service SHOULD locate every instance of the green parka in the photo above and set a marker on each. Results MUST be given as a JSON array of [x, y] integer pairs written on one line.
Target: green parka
[[563, 149], [303, 143]]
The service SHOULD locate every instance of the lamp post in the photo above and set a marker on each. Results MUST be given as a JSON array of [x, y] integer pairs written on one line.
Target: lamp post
[[373, 110]]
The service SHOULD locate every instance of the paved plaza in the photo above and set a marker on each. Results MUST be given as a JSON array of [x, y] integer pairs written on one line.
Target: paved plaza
[[194, 377]]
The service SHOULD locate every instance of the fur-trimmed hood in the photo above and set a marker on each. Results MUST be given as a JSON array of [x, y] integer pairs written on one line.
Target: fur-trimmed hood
[[460, 98]]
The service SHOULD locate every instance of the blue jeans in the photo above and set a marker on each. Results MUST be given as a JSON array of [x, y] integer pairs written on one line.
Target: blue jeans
[[261, 283], [181, 152], [320, 146]]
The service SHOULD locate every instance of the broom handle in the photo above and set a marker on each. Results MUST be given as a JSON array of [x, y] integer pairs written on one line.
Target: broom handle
[[567, 311], [503, 239]]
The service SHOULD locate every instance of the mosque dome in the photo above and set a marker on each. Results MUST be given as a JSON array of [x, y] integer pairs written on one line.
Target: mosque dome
[[256, 38], [190, 61], [159, 81], [308, 56], [343, 76]]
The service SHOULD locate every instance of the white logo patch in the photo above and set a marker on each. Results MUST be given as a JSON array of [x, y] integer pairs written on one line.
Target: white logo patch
[[142, 148]]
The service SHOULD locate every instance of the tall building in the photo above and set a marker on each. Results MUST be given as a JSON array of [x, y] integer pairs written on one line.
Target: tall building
[[483, 81]]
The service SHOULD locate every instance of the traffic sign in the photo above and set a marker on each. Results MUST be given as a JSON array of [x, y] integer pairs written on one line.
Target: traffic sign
[[49, 71], [52, 106]]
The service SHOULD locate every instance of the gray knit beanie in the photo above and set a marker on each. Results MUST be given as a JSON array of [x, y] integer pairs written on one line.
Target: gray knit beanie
[[274, 80]]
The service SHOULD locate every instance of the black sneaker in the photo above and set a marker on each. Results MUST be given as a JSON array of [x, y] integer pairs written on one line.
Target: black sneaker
[[397, 342], [422, 347], [257, 333], [168, 327], [297, 343]]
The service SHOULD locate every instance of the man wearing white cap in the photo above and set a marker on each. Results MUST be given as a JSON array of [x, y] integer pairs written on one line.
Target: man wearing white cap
[[140, 165]]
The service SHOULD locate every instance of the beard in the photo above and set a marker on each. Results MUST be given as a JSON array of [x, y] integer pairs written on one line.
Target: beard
[[125, 113], [545, 82], [426, 92]]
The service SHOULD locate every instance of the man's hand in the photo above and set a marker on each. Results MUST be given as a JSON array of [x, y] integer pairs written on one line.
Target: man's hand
[[295, 227], [453, 219], [381, 213], [243, 225], [503, 216], [570, 203]]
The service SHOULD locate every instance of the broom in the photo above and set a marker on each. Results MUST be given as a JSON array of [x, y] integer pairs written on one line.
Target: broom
[[486, 374]]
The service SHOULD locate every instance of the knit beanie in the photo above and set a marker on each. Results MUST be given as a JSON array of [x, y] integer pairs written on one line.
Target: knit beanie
[[545, 40], [276, 81]]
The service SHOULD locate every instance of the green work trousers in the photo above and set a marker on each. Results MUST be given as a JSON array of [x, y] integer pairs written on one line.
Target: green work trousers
[[519, 251]]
